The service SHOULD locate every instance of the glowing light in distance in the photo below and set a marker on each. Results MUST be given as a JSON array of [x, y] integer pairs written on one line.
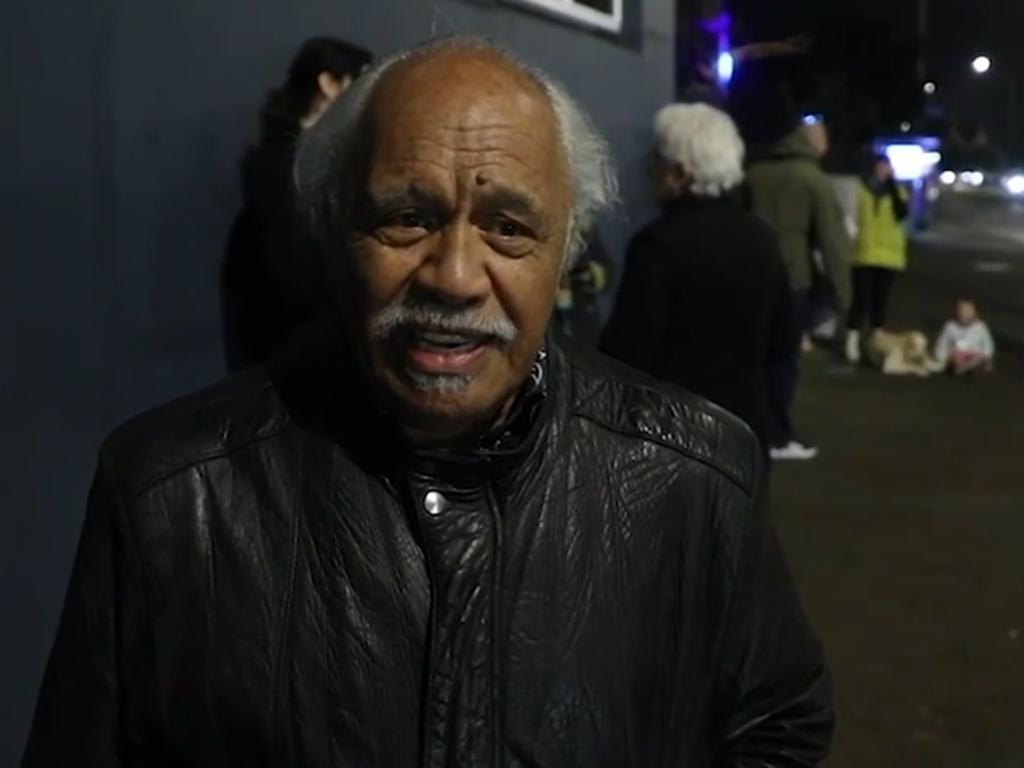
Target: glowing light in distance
[[725, 67], [1015, 184], [972, 178], [911, 162]]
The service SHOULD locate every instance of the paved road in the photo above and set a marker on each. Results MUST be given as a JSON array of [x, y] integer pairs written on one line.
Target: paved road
[[976, 246], [906, 538]]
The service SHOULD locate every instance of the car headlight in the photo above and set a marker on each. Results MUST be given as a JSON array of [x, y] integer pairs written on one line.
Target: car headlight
[[1014, 184], [972, 178]]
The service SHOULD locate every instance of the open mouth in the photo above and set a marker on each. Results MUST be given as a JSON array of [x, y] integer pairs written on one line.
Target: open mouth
[[443, 352]]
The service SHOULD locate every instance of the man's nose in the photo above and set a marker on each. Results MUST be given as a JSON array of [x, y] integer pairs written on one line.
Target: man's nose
[[456, 271]]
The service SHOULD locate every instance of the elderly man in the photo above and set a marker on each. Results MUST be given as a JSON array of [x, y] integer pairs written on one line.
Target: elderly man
[[435, 538]]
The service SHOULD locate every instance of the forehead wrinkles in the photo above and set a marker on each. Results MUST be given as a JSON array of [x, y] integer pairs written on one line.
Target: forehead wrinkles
[[465, 101], [469, 147]]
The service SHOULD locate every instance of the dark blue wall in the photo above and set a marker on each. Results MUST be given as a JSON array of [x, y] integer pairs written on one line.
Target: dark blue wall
[[122, 126]]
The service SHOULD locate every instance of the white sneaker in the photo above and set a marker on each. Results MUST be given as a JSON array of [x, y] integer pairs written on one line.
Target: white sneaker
[[793, 451], [853, 347]]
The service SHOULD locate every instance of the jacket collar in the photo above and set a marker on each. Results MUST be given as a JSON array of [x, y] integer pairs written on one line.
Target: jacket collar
[[690, 202]]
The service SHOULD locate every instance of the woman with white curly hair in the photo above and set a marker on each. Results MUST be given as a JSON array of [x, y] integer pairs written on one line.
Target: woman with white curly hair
[[704, 301]]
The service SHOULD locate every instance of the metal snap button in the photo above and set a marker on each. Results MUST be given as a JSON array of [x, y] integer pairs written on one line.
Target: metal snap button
[[434, 503]]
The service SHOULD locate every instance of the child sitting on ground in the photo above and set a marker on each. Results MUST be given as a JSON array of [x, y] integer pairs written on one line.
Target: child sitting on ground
[[965, 345]]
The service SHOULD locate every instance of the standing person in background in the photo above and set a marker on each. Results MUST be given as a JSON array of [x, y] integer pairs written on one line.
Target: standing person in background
[[881, 252], [704, 302], [272, 279], [824, 323], [789, 190]]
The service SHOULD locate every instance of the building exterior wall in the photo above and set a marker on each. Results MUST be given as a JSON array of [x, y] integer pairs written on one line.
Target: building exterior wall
[[124, 123]]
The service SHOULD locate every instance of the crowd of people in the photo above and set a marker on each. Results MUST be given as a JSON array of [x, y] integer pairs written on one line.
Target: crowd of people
[[700, 301], [719, 294]]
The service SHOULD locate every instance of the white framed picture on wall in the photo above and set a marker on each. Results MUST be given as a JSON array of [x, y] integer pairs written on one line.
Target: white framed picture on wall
[[603, 14]]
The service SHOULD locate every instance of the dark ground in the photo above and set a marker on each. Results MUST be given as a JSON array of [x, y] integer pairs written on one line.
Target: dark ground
[[907, 539]]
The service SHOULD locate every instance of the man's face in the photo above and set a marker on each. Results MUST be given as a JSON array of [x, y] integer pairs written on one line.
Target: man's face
[[460, 228]]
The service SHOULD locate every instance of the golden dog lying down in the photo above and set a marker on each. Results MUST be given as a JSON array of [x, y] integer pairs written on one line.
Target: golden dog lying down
[[899, 354]]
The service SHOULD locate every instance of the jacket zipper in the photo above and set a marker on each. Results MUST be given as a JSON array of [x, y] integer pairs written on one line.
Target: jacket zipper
[[426, 744], [497, 626]]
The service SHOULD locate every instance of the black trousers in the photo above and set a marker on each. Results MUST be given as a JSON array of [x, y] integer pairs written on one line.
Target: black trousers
[[871, 289], [784, 376]]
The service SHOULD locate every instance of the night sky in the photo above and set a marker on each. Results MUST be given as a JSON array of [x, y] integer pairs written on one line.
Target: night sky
[[876, 41], [961, 29]]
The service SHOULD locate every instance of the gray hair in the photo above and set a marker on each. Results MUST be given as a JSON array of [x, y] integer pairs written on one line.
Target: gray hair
[[704, 142], [327, 147]]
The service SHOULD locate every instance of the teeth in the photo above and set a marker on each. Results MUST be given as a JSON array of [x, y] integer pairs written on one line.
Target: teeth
[[445, 339]]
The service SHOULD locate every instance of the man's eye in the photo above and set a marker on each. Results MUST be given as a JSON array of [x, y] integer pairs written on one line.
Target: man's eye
[[509, 237], [405, 227], [510, 229], [408, 220]]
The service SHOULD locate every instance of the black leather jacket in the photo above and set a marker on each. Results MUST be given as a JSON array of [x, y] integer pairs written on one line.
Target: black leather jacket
[[264, 579]]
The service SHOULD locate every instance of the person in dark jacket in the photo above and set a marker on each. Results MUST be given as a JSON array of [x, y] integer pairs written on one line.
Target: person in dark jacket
[[434, 538], [704, 301], [273, 280]]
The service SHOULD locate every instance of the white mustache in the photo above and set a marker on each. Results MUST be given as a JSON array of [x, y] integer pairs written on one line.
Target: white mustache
[[438, 317]]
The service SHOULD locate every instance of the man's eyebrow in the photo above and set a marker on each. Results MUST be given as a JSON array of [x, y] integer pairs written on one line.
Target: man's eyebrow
[[390, 199], [500, 198]]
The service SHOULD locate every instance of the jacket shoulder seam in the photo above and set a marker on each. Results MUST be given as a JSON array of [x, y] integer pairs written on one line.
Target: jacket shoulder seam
[[746, 488], [202, 458]]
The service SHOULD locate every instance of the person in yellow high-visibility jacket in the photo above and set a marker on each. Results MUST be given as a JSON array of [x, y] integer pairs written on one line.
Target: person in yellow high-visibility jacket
[[880, 253]]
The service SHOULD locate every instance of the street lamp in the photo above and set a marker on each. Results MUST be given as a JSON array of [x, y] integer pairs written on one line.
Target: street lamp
[[929, 88], [981, 65]]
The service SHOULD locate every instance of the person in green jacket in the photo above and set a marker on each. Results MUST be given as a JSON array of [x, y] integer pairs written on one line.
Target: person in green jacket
[[788, 189], [881, 251]]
